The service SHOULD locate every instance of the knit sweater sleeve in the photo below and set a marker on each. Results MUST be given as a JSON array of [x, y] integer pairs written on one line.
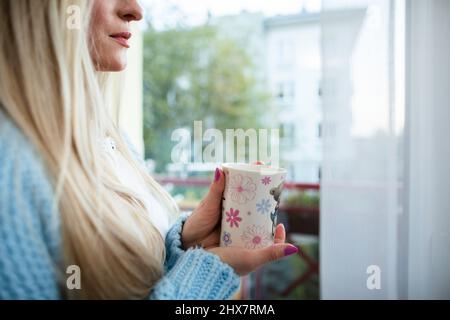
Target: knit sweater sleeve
[[194, 273], [29, 236], [174, 248]]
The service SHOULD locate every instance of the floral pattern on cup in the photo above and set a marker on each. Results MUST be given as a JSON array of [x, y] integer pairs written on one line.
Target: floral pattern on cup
[[263, 206], [266, 181], [255, 237], [226, 238], [242, 189], [233, 218]]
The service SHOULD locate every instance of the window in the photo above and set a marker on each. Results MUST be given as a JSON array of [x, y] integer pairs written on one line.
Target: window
[[198, 68], [285, 56], [287, 132], [285, 93]]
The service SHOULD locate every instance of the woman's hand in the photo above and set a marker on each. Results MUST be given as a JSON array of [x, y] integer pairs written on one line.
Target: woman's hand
[[203, 226], [244, 261]]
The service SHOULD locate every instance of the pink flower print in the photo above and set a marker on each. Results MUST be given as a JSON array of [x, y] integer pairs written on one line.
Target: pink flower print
[[266, 180], [255, 237], [232, 217], [242, 189]]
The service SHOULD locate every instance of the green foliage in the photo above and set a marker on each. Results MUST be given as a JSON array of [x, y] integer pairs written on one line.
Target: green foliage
[[306, 199], [309, 290], [195, 74]]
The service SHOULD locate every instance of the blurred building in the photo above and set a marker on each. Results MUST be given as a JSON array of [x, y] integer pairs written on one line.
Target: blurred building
[[293, 67], [286, 51]]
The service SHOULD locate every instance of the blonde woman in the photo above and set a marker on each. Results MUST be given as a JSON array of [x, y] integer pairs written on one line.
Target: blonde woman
[[73, 197]]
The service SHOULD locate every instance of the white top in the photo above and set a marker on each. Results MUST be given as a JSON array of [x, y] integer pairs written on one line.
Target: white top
[[133, 181]]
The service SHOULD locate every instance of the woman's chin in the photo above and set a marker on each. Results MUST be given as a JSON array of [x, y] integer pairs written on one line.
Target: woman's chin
[[113, 65]]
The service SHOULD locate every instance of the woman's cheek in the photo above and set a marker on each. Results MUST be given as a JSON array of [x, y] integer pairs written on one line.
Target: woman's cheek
[[106, 54]]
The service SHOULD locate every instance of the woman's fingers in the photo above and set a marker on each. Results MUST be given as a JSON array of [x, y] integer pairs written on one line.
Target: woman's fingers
[[211, 240], [273, 253], [201, 225], [280, 234], [244, 261]]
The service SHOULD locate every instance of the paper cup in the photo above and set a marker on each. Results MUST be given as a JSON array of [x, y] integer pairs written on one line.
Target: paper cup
[[250, 205]]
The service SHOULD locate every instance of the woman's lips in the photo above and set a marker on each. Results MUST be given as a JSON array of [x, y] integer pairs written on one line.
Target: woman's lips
[[122, 38]]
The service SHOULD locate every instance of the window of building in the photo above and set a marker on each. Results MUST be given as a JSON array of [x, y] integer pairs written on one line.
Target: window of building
[[286, 54], [285, 93]]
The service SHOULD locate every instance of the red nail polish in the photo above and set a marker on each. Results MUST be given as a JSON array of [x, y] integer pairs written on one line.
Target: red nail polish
[[290, 250], [217, 175]]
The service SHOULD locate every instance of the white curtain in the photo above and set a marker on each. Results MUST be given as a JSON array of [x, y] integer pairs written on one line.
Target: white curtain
[[428, 161], [361, 198], [385, 205]]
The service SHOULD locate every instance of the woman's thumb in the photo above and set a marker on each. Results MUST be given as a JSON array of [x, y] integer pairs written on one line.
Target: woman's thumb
[[211, 203], [217, 187]]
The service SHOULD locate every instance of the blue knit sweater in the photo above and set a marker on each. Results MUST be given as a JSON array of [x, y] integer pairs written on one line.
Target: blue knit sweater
[[30, 239]]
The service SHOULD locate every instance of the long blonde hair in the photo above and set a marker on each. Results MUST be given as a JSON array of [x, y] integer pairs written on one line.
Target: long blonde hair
[[49, 87]]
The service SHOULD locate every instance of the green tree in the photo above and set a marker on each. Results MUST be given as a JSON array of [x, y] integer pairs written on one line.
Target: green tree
[[196, 74]]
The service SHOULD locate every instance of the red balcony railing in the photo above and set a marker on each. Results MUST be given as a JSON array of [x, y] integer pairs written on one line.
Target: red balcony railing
[[302, 219], [203, 182]]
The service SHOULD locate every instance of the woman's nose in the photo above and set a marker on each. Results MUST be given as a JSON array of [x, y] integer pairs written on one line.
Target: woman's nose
[[131, 11]]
